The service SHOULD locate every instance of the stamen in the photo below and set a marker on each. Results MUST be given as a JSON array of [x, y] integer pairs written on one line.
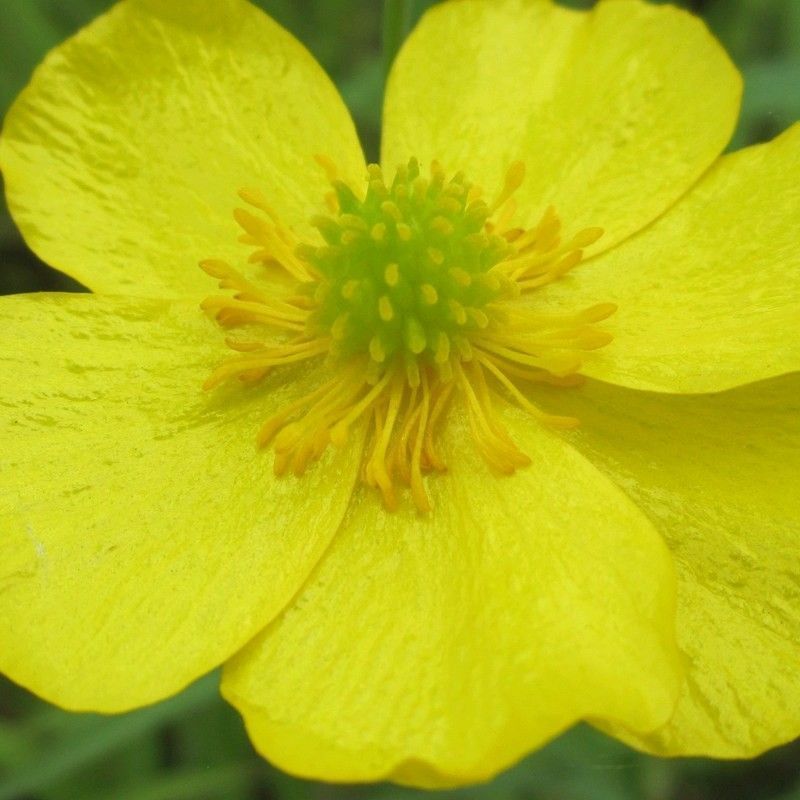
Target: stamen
[[340, 431], [513, 180], [417, 291], [274, 241], [523, 402], [269, 357], [327, 164], [492, 439], [420, 421], [229, 312], [376, 471]]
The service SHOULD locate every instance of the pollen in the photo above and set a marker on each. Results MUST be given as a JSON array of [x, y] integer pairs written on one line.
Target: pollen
[[416, 291]]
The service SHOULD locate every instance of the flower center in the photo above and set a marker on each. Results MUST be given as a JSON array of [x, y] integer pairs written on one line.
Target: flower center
[[416, 290], [405, 275]]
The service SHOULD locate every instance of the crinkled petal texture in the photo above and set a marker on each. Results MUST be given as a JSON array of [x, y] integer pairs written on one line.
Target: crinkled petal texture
[[616, 112], [718, 476], [709, 296], [144, 538], [437, 650], [123, 156]]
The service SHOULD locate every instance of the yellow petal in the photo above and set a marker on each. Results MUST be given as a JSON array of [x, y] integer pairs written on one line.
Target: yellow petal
[[123, 157], [717, 474], [709, 296], [437, 650], [144, 537], [615, 112]]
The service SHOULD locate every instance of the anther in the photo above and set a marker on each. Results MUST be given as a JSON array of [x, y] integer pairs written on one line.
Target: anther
[[328, 166], [255, 198], [332, 202], [599, 312], [587, 237], [513, 180]]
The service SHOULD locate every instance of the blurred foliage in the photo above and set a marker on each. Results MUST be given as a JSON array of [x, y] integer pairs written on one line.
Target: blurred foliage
[[193, 747]]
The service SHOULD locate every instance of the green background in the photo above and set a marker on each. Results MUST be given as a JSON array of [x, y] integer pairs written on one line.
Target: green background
[[193, 746]]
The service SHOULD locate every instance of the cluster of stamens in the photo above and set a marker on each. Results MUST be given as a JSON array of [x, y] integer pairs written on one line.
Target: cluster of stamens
[[415, 291]]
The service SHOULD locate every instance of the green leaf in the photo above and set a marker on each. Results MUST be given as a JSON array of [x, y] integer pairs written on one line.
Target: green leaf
[[219, 783], [95, 737]]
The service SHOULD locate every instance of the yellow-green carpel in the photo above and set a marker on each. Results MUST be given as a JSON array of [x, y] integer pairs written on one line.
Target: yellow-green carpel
[[405, 273]]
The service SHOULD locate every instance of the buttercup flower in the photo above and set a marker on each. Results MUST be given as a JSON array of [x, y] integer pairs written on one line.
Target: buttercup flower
[[437, 457]]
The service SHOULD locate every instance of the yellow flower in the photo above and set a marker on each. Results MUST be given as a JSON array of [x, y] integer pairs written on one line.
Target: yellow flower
[[376, 615]]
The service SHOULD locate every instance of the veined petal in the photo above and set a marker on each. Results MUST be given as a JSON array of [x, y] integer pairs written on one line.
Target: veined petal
[[144, 537], [123, 157], [436, 650], [616, 112], [708, 297], [717, 475]]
